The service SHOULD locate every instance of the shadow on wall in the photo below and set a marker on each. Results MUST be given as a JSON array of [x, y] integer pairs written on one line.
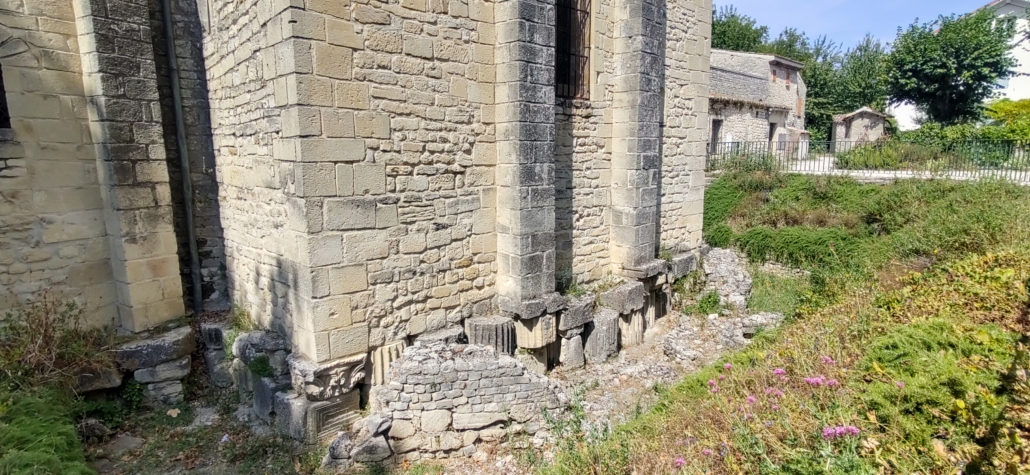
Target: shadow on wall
[[564, 192], [200, 147]]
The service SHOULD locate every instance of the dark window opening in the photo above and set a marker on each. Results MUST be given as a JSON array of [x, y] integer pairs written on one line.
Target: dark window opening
[[716, 130], [572, 49], [5, 114], [772, 131]]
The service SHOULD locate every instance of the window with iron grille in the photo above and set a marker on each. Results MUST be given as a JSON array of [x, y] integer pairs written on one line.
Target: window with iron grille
[[5, 115], [572, 49]]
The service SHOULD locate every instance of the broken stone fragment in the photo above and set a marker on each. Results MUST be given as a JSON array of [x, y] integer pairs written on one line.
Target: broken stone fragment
[[682, 265], [631, 329], [172, 370], [214, 335], [249, 346], [323, 381], [341, 447], [95, 380], [381, 359], [624, 298], [537, 332], [169, 392], [601, 337], [264, 396], [447, 335], [495, 331], [571, 355], [315, 421], [151, 352], [375, 449], [378, 424], [402, 429], [579, 312]]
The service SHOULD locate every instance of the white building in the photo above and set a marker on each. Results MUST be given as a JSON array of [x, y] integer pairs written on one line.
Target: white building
[[1015, 88]]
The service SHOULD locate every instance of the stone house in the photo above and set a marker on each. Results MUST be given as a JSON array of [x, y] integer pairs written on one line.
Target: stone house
[[756, 98], [352, 174], [863, 125]]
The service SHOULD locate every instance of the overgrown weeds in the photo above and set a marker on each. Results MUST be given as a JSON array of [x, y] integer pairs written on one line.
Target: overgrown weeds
[[45, 342], [896, 358]]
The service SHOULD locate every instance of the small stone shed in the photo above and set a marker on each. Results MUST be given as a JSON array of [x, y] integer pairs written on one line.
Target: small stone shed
[[863, 125]]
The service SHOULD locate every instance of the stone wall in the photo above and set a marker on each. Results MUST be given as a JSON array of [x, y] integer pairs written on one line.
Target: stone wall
[[186, 18], [740, 122], [686, 128], [52, 233]]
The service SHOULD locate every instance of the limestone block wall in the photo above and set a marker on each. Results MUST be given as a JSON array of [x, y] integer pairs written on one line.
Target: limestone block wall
[[686, 124], [189, 29], [52, 233], [264, 229], [583, 165]]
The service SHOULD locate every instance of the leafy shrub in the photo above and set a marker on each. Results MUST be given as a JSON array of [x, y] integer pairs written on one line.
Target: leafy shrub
[[37, 436], [261, 366], [720, 200], [799, 246]]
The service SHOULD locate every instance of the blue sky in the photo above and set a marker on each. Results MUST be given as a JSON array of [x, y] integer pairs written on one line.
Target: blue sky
[[848, 21]]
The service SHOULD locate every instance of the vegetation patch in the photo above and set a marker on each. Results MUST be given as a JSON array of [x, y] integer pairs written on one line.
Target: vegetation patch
[[37, 435]]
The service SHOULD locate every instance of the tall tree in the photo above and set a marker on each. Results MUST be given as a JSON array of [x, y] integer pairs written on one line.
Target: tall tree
[[861, 77], [950, 67], [736, 32]]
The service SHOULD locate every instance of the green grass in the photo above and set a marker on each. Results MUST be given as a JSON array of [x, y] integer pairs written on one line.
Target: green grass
[[773, 293], [910, 309], [37, 436]]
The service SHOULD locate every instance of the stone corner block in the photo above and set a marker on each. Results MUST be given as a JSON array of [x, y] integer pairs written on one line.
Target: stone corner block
[[682, 265], [536, 332], [578, 312], [625, 298], [153, 351]]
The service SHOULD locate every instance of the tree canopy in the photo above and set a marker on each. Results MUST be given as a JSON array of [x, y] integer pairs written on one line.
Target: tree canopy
[[951, 66], [734, 31]]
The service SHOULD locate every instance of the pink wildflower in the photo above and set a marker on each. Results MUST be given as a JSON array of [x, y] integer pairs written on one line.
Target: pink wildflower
[[706, 452], [751, 399], [728, 366], [779, 372], [832, 383], [831, 433], [680, 462], [827, 360], [900, 384], [722, 377], [817, 381], [775, 407]]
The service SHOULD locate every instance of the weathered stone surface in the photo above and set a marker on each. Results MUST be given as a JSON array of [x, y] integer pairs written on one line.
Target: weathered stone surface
[[601, 338], [572, 352], [536, 332], [242, 378], [534, 360], [218, 368], [631, 329], [323, 381], [214, 335], [169, 392], [477, 420], [248, 346], [682, 265], [265, 390], [169, 371], [151, 352], [436, 421], [375, 449], [727, 274], [103, 378], [446, 335], [402, 429], [624, 298], [314, 421], [381, 359], [378, 424], [341, 447], [578, 313], [497, 332]]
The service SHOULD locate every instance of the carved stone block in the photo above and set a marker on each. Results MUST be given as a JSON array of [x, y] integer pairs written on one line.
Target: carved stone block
[[323, 381]]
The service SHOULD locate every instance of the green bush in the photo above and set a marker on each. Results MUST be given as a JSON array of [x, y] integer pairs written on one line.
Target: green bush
[[37, 436], [799, 246]]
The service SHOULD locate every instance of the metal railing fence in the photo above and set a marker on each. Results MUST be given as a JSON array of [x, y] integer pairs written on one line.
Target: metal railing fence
[[890, 159]]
